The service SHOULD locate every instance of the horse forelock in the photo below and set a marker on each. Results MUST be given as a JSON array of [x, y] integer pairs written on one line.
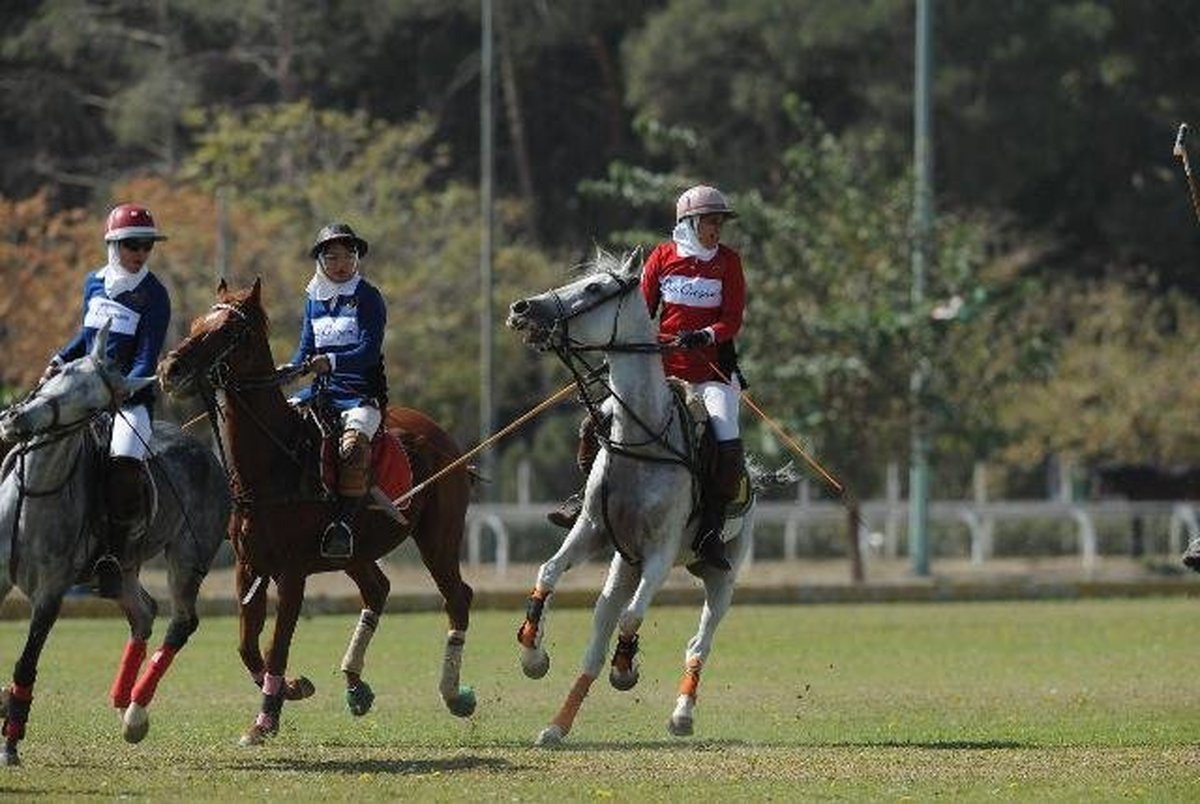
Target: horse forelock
[[624, 266]]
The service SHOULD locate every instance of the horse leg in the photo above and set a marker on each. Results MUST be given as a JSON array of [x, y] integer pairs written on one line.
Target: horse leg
[[373, 588], [185, 589], [140, 610], [618, 588], [625, 662], [583, 540], [718, 596], [440, 554], [291, 595], [252, 611], [18, 698]]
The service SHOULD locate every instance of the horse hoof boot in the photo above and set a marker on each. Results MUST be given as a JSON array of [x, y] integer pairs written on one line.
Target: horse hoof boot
[[136, 723], [11, 759], [680, 726], [359, 698], [623, 680], [463, 704], [551, 736], [298, 689], [535, 662], [255, 735]]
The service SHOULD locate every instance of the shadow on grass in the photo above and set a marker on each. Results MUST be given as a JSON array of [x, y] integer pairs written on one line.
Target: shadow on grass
[[691, 746], [398, 767]]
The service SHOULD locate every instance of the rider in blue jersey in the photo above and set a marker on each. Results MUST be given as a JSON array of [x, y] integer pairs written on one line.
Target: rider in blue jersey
[[341, 341], [135, 305]]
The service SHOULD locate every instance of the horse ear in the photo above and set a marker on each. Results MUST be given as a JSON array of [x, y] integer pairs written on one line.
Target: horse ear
[[222, 288], [256, 291], [100, 345], [633, 262]]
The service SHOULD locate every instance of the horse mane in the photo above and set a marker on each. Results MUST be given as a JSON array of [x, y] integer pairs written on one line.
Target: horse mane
[[626, 266], [250, 303]]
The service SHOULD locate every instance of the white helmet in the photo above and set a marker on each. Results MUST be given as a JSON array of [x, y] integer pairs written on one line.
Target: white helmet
[[701, 200]]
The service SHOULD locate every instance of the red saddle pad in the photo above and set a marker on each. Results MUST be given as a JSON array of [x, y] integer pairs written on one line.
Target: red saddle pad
[[391, 470]]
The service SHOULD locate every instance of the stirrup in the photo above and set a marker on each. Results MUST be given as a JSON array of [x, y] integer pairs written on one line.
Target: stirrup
[[337, 541], [565, 515], [108, 577]]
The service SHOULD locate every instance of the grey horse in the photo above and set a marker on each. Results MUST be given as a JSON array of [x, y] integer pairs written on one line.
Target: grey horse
[[640, 496], [52, 520]]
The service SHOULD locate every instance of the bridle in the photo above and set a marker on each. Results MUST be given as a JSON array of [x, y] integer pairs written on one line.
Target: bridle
[[571, 351], [220, 376]]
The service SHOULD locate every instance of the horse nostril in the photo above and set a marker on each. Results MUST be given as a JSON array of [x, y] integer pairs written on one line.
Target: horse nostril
[[519, 307]]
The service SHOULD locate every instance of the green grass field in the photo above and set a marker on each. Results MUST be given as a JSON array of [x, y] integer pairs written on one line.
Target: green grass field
[[979, 701]]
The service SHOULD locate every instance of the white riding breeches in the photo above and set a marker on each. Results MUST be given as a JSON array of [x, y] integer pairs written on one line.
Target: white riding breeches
[[365, 419], [721, 400], [130, 433]]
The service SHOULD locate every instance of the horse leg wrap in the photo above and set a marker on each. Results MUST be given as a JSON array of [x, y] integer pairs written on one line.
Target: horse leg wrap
[[143, 693], [352, 662], [272, 704], [127, 671], [452, 664], [627, 648], [579, 690], [691, 678], [527, 633], [19, 700]]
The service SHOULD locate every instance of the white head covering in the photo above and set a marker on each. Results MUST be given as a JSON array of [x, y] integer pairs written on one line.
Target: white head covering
[[322, 288], [117, 280], [687, 242]]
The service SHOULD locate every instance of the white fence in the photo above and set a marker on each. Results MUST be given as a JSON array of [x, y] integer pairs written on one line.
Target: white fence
[[881, 522]]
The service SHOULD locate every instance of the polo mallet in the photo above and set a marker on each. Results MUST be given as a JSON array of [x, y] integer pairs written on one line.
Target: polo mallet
[[1180, 152]]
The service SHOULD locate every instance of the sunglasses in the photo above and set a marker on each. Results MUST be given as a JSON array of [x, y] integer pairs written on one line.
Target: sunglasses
[[137, 245]]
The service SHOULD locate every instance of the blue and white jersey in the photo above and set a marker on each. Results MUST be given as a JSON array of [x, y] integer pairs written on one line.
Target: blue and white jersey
[[348, 328], [138, 320]]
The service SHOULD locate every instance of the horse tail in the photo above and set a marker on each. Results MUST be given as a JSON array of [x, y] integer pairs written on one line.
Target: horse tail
[[763, 479]]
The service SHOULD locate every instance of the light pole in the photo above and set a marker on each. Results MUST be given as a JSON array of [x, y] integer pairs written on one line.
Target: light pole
[[486, 125], [918, 474]]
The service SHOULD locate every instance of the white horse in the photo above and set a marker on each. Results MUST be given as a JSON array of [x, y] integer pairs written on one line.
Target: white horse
[[641, 494], [51, 521]]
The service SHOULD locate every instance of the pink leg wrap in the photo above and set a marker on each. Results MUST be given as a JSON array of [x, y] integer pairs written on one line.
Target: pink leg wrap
[[143, 692], [127, 671], [272, 684]]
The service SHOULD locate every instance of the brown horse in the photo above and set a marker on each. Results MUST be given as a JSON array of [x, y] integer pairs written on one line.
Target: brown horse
[[271, 457]]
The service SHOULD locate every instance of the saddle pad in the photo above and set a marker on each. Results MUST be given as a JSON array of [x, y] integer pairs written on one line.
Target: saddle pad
[[391, 470], [390, 466]]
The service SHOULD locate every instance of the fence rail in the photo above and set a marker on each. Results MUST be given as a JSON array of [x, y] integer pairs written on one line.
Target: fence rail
[[881, 523]]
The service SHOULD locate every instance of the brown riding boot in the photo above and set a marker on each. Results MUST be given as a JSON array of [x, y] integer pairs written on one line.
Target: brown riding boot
[[354, 456], [709, 545], [589, 447], [124, 494]]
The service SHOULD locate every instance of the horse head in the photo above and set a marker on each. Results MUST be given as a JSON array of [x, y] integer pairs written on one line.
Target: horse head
[[80, 390], [217, 349], [589, 313]]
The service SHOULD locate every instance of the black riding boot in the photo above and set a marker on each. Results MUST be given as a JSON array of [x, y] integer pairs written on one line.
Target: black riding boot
[[589, 447], [126, 520], [709, 544]]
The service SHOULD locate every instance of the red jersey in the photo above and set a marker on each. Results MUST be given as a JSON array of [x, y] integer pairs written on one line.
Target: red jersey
[[694, 295]]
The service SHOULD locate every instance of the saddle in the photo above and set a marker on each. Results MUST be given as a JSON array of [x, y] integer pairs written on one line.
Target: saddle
[[390, 467]]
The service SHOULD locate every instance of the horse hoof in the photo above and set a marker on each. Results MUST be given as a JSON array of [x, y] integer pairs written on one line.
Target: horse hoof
[[551, 737], [10, 758], [535, 662], [623, 681], [298, 689], [463, 704], [255, 735], [680, 726], [137, 723], [359, 698]]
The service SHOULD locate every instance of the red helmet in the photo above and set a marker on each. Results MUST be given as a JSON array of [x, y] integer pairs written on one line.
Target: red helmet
[[131, 222], [702, 200]]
